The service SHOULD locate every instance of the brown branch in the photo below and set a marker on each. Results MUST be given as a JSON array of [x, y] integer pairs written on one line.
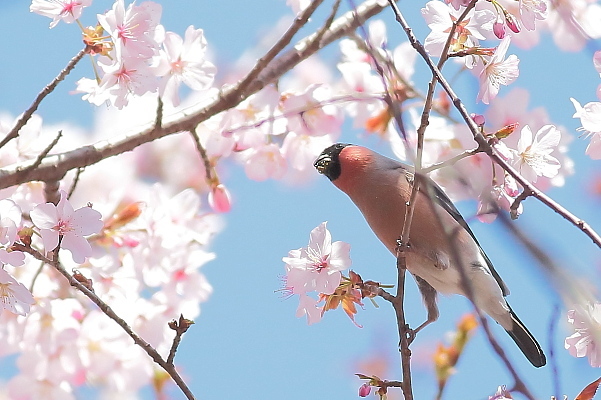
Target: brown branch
[[405, 336], [45, 152], [45, 92], [54, 167], [300, 21], [483, 142], [205, 158], [108, 311]]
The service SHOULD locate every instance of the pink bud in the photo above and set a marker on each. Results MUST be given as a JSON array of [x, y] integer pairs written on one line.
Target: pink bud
[[479, 119], [511, 186], [499, 29], [220, 199], [364, 390], [512, 23]]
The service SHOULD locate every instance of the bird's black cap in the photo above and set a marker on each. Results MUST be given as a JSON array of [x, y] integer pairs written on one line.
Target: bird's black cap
[[328, 162]]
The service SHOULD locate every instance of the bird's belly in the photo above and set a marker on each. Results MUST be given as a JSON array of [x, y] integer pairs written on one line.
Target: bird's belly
[[445, 280]]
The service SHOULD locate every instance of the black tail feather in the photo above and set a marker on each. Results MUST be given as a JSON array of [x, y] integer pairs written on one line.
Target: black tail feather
[[526, 342]]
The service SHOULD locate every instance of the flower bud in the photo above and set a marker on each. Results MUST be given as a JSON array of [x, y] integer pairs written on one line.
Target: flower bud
[[498, 29], [511, 22], [478, 119], [220, 199], [364, 390]]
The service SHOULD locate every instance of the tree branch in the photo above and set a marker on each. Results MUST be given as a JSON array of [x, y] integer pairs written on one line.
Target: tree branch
[[56, 166], [486, 146], [45, 92], [107, 310]]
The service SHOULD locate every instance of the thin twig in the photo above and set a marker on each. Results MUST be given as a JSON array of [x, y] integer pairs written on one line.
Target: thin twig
[[75, 181], [403, 327], [553, 361], [158, 121], [45, 152], [51, 192], [54, 167], [483, 142], [204, 156], [45, 92], [452, 160], [262, 63], [106, 309]]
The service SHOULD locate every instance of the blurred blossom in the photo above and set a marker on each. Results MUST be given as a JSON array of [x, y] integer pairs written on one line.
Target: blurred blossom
[[14, 296], [584, 342], [59, 10]]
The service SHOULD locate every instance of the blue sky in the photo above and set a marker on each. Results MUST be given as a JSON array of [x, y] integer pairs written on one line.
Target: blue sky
[[247, 343]]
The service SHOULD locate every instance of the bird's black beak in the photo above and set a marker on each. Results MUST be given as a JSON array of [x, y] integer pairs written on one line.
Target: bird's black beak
[[328, 162], [322, 163]]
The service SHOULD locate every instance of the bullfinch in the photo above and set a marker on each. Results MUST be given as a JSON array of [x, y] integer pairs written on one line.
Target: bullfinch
[[381, 188]]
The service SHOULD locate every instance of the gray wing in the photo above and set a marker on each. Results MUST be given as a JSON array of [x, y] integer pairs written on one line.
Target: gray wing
[[443, 200]]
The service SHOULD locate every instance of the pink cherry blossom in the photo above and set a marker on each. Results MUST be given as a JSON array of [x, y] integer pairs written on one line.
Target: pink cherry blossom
[[307, 305], [133, 30], [597, 61], [265, 162], [498, 71], [440, 18], [183, 61], [533, 156], [590, 118], [574, 23], [308, 115], [121, 81], [584, 342], [317, 267], [59, 10], [531, 10], [14, 296], [62, 220]]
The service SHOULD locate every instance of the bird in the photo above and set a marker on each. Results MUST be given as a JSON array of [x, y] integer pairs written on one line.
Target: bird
[[381, 188]]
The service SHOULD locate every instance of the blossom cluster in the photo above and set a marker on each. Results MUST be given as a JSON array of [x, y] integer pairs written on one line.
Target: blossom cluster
[[139, 249], [315, 268], [135, 53], [144, 257]]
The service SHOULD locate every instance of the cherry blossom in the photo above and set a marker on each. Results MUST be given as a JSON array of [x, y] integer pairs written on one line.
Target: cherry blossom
[[133, 30], [59, 10], [497, 71], [14, 296], [183, 61], [440, 18], [307, 305], [590, 118], [265, 162], [573, 23], [307, 113], [72, 225], [584, 342], [531, 10], [533, 156], [317, 267], [121, 81]]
